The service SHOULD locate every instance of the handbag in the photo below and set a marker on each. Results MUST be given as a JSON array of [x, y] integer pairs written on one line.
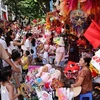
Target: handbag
[[32, 51], [71, 49]]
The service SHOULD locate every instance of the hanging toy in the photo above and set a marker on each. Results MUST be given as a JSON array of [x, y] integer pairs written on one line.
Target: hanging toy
[[78, 19]]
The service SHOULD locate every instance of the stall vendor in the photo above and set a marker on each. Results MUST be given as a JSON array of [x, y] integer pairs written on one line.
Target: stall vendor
[[84, 78]]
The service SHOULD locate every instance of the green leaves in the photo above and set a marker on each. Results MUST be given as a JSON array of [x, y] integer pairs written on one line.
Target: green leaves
[[30, 8]]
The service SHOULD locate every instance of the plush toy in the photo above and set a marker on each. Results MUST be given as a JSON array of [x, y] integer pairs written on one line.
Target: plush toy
[[24, 91], [43, 71], [52, 70], [56, 74], [56, 84], [29, 76], [39, 71], [46, 76], [39, 82]]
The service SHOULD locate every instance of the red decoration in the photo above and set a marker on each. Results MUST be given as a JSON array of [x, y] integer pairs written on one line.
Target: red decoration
[[72, 66], [5, 16], [81, 42], [94, 74], [47, 85], [58, 30], [92, 34], [71, 70]]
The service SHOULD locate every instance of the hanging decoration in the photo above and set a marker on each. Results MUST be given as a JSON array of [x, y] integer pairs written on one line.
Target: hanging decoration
[[78, 20], [66, 6]]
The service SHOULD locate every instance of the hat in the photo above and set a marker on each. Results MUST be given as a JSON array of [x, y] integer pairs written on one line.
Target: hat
[[61, 42], [76, 91], [56, 39]]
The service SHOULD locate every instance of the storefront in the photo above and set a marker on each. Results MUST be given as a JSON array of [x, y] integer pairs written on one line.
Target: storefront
[[3, 11]]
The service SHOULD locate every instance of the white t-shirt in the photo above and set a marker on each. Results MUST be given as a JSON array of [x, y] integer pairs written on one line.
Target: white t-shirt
[[28, 44]]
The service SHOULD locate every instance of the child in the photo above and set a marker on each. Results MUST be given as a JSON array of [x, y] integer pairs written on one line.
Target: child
[[7, 88], [25, 61], [17, 59]]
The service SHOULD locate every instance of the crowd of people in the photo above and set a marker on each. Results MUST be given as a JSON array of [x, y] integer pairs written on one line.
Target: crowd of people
[[57, 46], [21, 48]]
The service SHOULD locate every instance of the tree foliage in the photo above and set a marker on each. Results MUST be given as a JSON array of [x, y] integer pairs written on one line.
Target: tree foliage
[[29, 8]]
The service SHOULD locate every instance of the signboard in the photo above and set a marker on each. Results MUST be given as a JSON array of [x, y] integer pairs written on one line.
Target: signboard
[[96, 60]]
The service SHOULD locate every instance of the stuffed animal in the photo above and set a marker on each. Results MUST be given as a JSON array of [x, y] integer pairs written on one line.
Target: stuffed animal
[[56, 74], [56, 84], [31, 74], [38, 81], [43, 79], [23, 91], [43, 70]]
